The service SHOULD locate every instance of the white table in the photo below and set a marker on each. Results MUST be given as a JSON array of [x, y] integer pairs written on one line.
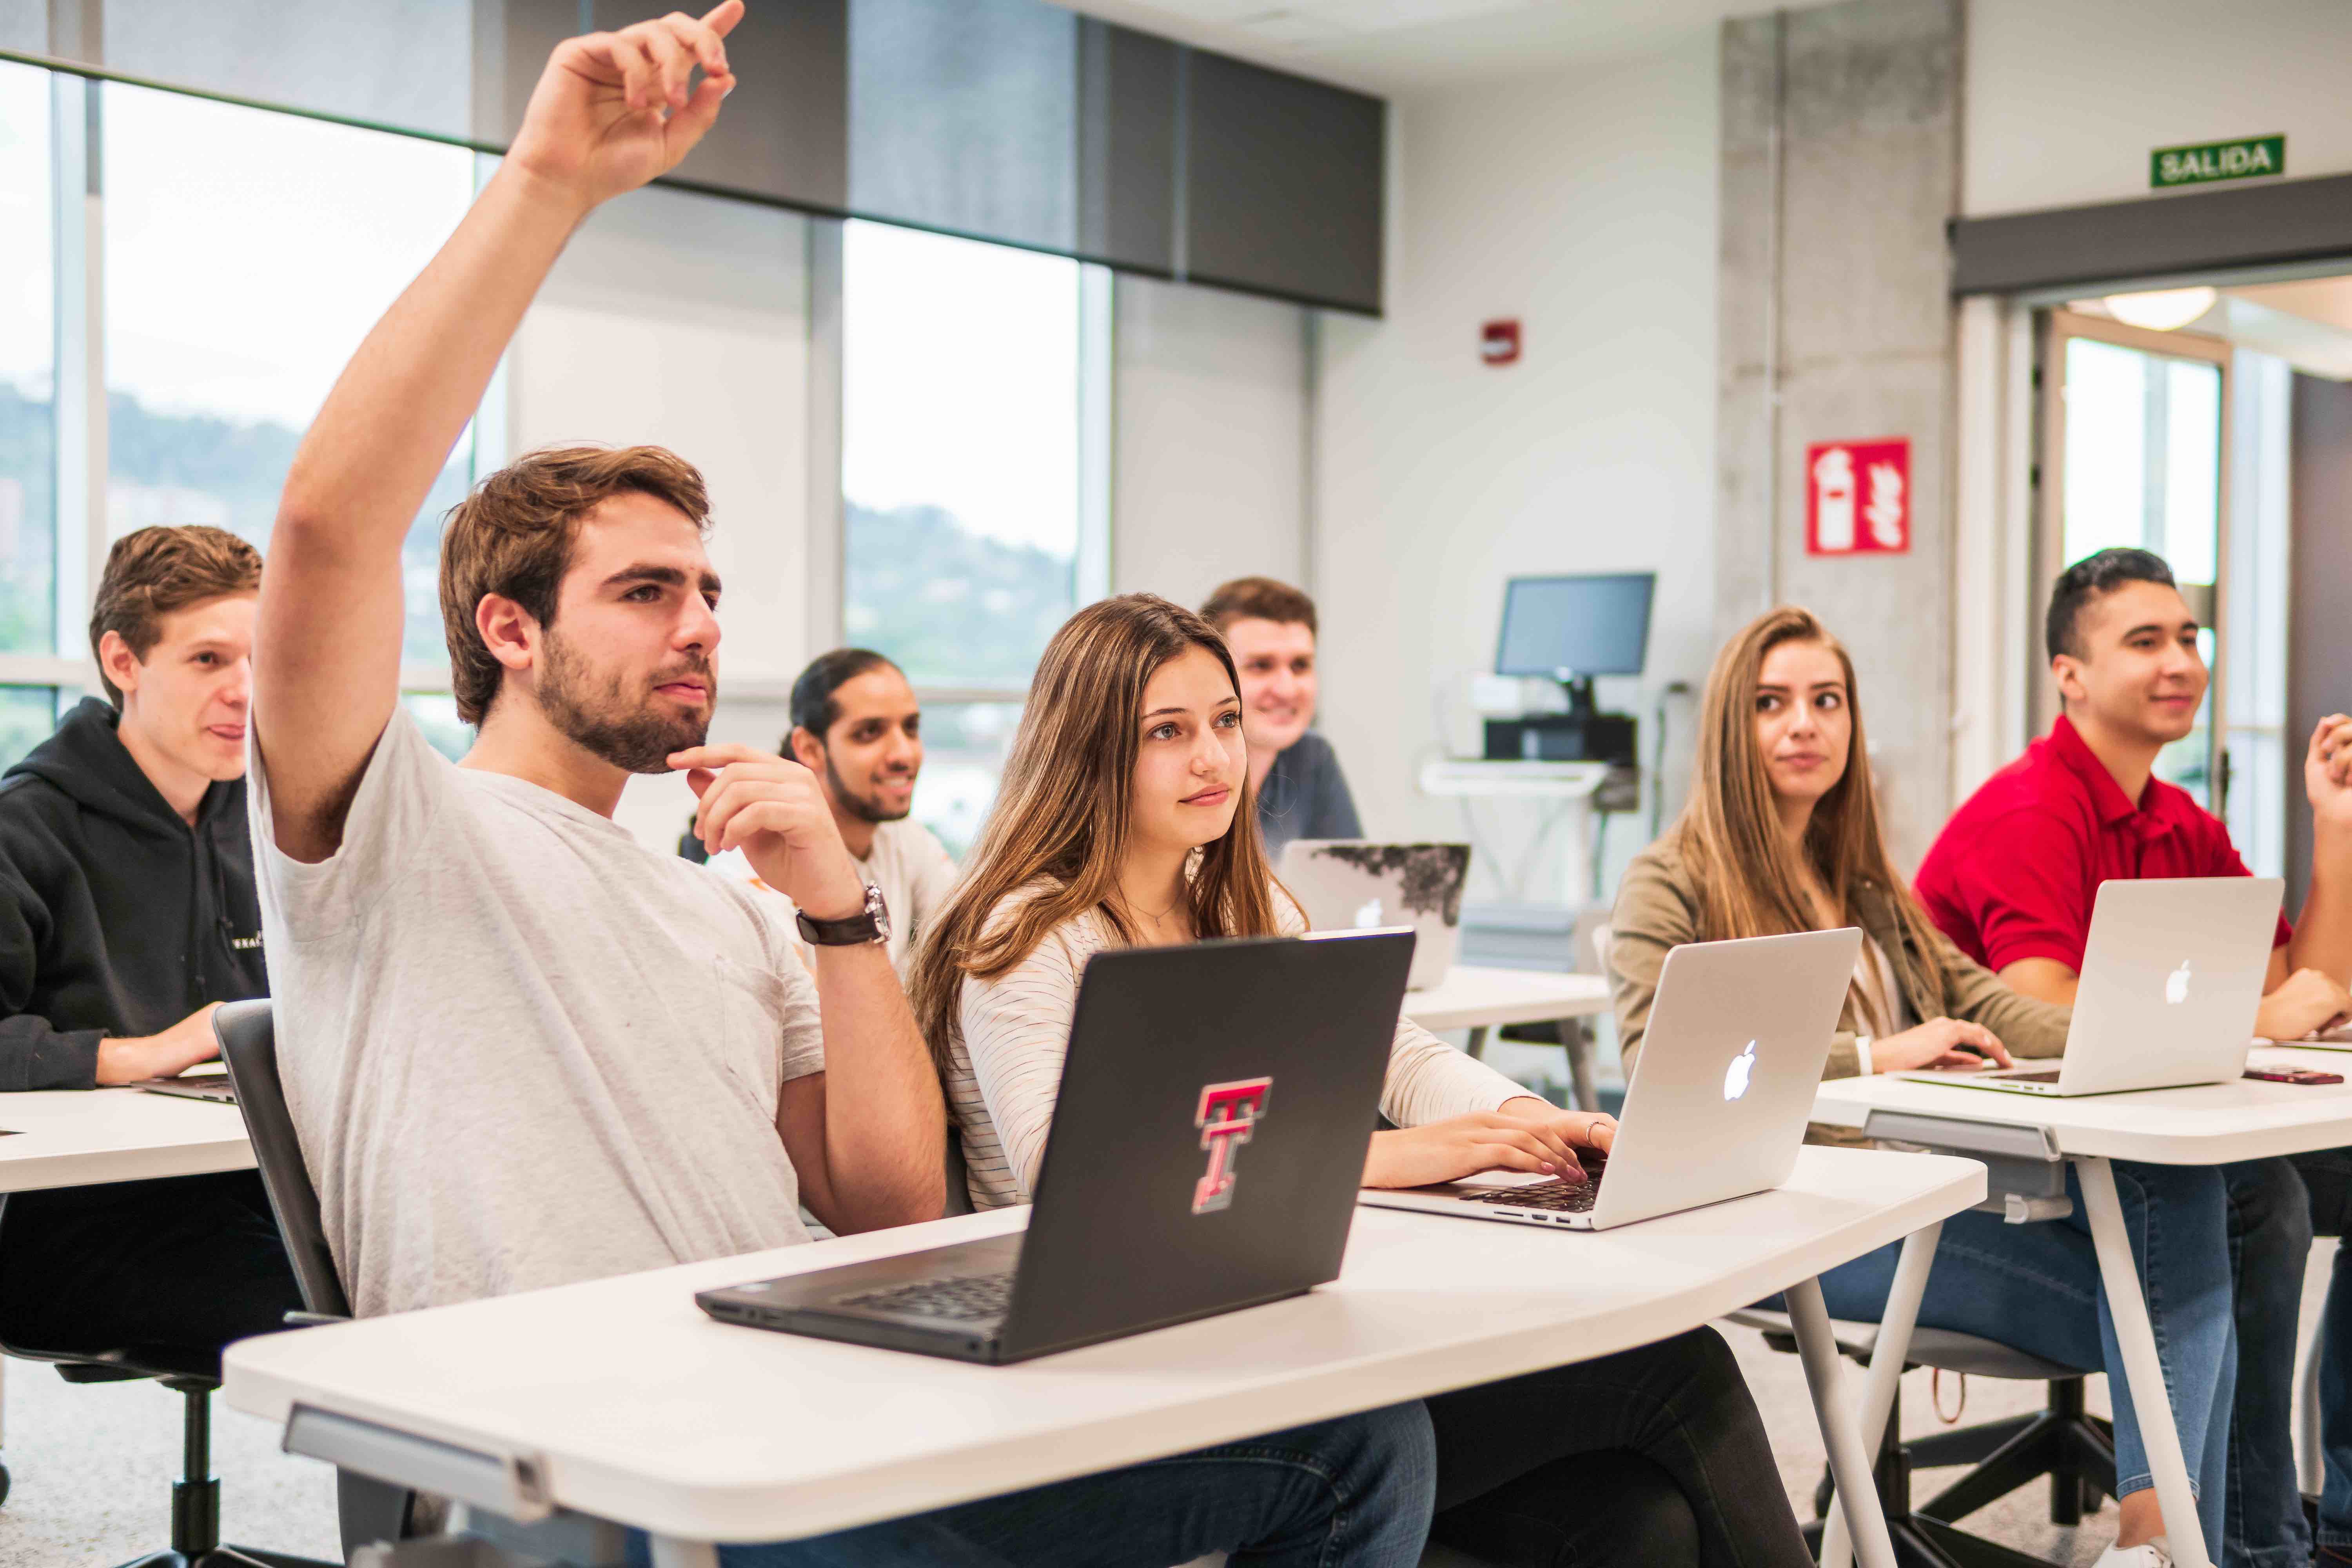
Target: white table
[[618, 1399], [84, 1138], [1477, 999], [81, 1138], [2211, 1124], [1570, 786]]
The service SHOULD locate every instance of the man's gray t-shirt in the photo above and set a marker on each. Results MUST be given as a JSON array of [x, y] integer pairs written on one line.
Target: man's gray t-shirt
[[1304, 795], [520, 1049]]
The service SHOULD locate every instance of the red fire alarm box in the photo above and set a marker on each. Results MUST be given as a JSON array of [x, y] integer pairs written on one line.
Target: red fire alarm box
[[1499, 341], [1858, 497]]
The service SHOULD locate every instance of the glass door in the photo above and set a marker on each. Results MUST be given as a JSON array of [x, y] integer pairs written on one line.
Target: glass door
[[2134, 434]]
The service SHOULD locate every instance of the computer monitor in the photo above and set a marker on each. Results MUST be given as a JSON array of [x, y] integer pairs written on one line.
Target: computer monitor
[[1570, 629]]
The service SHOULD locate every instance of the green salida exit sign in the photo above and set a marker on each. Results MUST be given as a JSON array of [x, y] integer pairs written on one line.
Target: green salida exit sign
[[2244, 158]]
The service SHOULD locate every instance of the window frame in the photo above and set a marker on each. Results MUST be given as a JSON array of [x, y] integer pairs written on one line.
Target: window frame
[[829, 519], [79, 298]]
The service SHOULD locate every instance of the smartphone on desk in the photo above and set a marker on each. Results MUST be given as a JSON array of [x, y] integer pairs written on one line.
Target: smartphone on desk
[[2294, 1075]]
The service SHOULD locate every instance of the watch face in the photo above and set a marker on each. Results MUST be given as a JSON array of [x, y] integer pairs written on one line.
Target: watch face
[[880, 911]]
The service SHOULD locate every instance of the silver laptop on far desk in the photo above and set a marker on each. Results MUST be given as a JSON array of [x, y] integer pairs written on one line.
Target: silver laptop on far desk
[[1346, 884], [2172, 976], [1737, 1039]]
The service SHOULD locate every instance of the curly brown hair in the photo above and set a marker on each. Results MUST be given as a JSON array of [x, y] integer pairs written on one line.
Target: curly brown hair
[[513, 537], [153, 571]]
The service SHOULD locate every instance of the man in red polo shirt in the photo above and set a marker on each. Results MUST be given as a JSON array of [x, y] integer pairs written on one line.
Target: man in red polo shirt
[[2011, 881]]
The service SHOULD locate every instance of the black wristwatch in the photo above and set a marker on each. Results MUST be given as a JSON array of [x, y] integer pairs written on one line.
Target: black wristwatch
[[870, 924]]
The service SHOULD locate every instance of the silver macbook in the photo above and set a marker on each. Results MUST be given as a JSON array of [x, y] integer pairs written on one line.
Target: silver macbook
[[2172, 976], [1720, 1095], [1346, 884]]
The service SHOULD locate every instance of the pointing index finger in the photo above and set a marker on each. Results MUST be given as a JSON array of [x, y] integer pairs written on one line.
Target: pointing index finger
[[719, 756]]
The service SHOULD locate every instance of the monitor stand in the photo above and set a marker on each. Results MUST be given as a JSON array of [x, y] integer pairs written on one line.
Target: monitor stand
[[1583, 734]]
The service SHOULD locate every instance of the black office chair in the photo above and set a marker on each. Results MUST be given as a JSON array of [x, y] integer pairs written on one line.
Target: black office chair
[[193, 1373], [2075, 1450], [370, 1511]]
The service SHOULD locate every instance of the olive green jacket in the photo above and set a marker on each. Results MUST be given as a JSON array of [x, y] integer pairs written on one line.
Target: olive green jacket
[[1658, 909]]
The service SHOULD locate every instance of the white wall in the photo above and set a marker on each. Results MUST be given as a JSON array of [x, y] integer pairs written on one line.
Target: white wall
[[2064, 102], [1210, 410], [1585, 204], [702, 348]]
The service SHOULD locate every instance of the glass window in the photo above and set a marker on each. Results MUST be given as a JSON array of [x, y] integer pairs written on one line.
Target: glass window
[[28, 715], [2143, 467], [246, 254], [964, 748], [959, 452], [28, 549]]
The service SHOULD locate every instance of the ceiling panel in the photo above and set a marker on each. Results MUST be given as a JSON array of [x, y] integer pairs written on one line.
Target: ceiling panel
[[1395, 46]]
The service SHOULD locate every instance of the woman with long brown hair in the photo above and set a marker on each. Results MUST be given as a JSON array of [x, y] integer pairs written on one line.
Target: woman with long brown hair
[[1781, 834], [1124, 820]]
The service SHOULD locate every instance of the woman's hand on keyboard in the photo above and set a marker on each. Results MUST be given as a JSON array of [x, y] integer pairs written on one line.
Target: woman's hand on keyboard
[[1483, 1141], [1939, 1043]]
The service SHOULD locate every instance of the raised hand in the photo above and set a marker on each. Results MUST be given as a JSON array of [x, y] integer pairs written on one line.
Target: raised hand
[[2328, 770], [612, 110], [774, 811]]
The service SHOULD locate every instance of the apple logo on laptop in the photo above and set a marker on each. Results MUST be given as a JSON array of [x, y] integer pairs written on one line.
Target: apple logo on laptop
[[1743, 1067], [1367, 913], [2176, 985]]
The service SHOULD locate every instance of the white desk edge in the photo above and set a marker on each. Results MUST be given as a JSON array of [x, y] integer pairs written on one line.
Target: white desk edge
[[2209, 1124], [329, 1368]]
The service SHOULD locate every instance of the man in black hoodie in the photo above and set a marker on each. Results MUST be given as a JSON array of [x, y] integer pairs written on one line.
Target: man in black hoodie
[[127, 916]]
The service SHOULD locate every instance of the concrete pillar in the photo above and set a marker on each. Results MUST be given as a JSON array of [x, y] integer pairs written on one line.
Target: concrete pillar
[[1840, 168]]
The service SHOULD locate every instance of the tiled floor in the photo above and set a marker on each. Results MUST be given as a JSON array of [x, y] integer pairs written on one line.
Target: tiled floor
[[91, 1467]]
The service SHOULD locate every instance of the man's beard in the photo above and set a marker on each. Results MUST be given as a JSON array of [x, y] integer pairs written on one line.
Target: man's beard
[[859, 806], [637, 738]]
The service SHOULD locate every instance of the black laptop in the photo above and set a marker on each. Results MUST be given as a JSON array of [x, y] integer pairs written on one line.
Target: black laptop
[[1215, 1107]]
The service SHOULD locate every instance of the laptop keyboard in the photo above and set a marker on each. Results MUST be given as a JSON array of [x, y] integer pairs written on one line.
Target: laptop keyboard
[[965, 1298], [1560, 1197]]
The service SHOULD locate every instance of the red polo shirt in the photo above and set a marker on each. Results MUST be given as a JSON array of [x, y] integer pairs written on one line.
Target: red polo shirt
[[2014, 873]]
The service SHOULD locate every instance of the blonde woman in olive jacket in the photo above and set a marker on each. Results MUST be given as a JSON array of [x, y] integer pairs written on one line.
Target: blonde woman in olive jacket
[[1660, 906], [1781, 834]]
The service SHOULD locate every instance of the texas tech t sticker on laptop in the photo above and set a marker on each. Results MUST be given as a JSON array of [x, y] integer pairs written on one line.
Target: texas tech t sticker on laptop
[[1228, 1114]]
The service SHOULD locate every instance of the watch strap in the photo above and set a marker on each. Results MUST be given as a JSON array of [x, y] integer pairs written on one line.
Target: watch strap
[[870, 924]]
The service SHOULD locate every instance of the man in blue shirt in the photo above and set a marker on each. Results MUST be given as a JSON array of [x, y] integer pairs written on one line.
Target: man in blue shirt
[[1301, 794]]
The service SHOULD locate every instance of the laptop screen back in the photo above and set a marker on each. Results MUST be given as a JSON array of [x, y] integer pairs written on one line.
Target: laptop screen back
[[1215, 1108], [2172, 976]]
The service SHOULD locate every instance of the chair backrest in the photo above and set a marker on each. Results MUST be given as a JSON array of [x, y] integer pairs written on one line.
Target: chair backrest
[[958, 1193], [248, 1046]]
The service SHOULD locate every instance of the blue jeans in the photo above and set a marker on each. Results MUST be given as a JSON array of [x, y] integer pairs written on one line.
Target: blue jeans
[[1355, 1491], [2328, 1175], [2270, 1243], [2036, 1287]]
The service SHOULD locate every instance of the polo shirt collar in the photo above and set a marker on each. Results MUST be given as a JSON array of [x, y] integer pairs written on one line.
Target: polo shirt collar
[[2107, 796]]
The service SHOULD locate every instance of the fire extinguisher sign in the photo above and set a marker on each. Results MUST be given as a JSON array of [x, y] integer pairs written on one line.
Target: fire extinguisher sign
[[1858, 497]]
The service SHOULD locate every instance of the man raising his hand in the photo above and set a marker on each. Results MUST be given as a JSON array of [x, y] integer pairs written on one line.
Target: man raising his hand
[[521, 1051]]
